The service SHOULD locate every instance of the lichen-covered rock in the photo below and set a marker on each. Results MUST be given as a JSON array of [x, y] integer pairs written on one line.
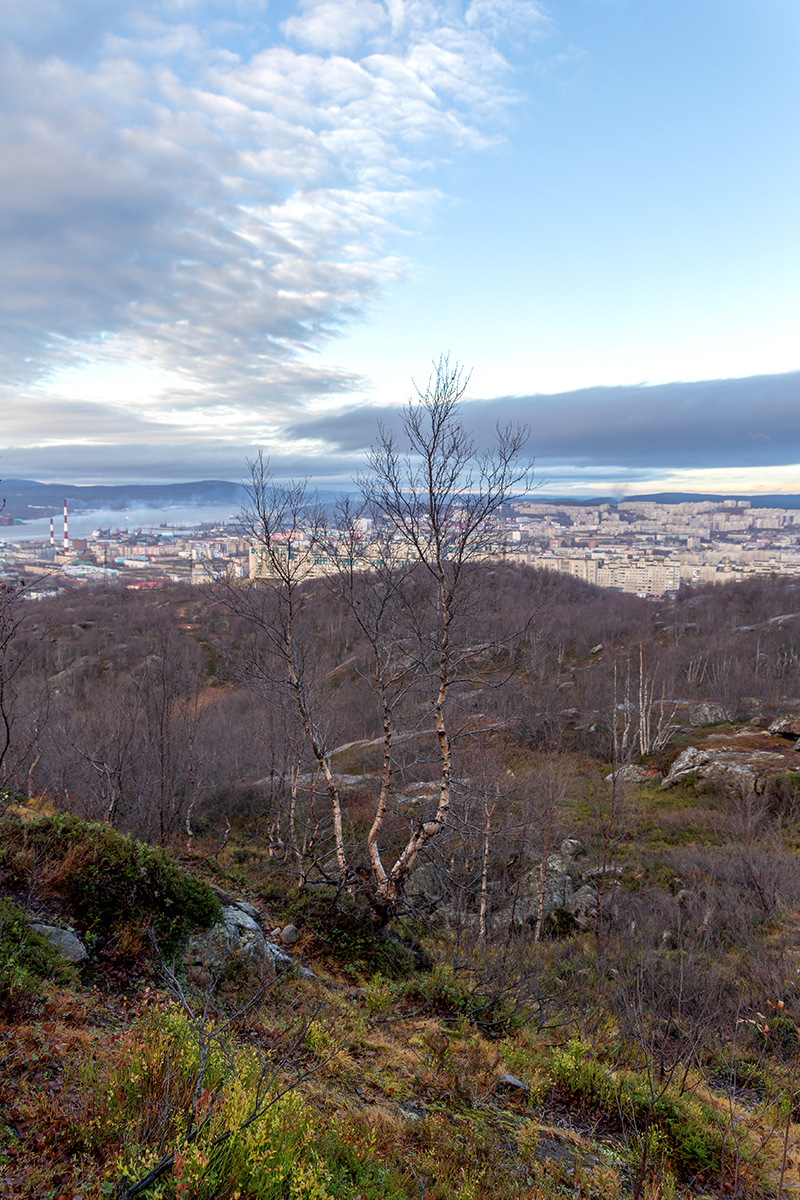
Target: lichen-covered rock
[[582, 906], [237, 938], [510, 1083], [631, 773], [572, 848], [787, 725], [558, 891], [709, 713], [742, 770], [572, 889], [235, 942]]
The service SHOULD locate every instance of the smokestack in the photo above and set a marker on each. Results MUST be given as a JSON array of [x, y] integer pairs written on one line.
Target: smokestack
[[52, 534], [66, 531]]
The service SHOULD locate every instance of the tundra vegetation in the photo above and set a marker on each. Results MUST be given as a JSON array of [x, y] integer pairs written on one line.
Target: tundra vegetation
[[576, 982]]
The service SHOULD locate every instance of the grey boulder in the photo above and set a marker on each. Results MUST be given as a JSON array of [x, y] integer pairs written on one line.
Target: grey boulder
[[786, 726], [709, 713], [63, 940], [740, 771]]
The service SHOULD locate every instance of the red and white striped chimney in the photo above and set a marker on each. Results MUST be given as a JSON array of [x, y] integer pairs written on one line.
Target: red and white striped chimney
[[52, 534], [66, 531]]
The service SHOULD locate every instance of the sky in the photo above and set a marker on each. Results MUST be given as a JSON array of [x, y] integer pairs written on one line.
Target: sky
[[253, 225]]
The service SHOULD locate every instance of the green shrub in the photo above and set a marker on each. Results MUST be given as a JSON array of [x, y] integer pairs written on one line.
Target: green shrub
[[354, 1167], [107, 880], [685, 1129], [443, 993], [353, 937], [26, 958]]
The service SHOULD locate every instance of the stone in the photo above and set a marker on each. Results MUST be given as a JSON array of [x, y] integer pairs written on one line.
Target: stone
[[279, 958], [609, 871], [741, 770], [412, 1112], [582, 906], [631, 773], [227, 900], [289, 935], [63, 940], [688, 763], [710, 714], [572, 889], [558, 892], [787, 725], [237, 938], [510, 1083]]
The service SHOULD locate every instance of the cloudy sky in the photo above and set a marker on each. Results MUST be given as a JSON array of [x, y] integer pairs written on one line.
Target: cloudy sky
[[240, 224]]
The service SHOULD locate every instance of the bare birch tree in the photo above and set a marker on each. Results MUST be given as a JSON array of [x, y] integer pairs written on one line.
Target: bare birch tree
[[286, 524], [442, 495], [432, 499]]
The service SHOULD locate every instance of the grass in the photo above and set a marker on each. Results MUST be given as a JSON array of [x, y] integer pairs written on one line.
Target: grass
[[319, 1090]]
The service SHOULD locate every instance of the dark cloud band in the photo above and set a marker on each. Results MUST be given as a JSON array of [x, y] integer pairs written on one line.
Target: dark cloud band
[[714, 423]]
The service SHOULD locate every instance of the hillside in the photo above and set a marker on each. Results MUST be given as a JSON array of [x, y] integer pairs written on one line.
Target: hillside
[[587, 986]]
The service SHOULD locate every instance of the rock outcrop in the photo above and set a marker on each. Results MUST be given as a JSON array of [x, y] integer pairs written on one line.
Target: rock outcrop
[[236, 942], [562, 883], [787, 726], [631, 773], [745, 770]]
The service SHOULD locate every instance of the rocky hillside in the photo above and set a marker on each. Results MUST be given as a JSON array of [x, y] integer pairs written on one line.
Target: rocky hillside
[[199, 1026]]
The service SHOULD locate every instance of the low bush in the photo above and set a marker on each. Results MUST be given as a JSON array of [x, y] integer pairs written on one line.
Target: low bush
[[352, 936], [26, 958], [686, 1132], [105, 879], [441, 991]]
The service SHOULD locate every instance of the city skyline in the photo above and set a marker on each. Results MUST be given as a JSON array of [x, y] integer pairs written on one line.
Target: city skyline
[[231, 227]]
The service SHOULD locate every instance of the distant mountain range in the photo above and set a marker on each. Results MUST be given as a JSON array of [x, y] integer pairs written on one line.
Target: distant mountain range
[[27, 499], [774, 500]]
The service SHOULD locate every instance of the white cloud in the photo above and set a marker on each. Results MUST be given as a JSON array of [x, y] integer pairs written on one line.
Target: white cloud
[[508, 17], [336, 25], [203, 217]]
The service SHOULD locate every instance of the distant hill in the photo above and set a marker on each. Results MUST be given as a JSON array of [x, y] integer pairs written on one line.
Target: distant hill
[[28, 499], [776, 500]]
